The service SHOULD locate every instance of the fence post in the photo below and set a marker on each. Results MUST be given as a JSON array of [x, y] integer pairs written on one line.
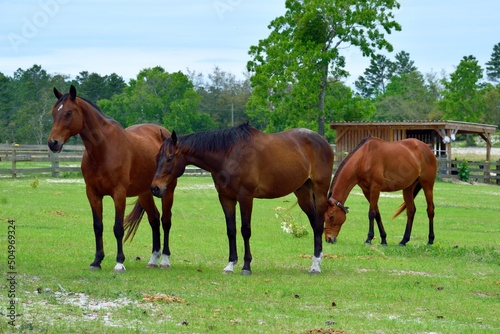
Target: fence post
[[498, 172], [55, 164], [14, 158]]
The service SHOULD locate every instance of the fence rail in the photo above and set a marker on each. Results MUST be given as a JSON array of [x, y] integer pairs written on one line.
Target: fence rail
[[41, 160], [479, 171]]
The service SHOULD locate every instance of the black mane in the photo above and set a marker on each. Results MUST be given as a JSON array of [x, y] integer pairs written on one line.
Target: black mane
[[344, 162], [216, 140]]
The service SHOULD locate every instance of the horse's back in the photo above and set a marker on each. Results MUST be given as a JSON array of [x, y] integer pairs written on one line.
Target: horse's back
[[282, 162], [148, 132]]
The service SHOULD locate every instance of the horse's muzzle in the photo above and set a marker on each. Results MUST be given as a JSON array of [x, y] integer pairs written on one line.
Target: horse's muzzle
[[55, 145], [331, 240], [158, 191]]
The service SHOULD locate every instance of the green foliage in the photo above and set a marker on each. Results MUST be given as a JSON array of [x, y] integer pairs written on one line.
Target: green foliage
[[463, 171], [289, 224], [292, 65], [462, 98], [159, 97], [493, 65]]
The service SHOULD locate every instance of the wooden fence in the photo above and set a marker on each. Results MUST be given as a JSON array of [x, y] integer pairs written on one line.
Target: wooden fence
[[38, 159], [41, 160], [482, 172]]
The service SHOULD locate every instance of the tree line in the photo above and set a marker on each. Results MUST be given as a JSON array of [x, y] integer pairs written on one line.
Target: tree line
[[295, 78]]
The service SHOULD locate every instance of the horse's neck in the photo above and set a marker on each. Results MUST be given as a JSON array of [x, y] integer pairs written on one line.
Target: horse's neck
[[209, 161], [344, 182], [97, 130]]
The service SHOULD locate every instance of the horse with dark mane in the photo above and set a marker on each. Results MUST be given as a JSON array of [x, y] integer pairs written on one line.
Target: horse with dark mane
[[117, 162], [379, 166], [245, 164]]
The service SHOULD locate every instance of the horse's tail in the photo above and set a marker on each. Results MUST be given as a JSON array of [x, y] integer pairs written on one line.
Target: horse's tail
[[132, 221], [402, 207]]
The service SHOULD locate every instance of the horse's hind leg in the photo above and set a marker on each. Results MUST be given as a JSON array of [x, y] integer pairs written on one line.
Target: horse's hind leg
[[147, 203], [429, 197], [410, 213], [314, 206]]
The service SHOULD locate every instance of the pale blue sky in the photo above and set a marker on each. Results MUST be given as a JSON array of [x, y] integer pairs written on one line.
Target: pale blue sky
[[124, 36]]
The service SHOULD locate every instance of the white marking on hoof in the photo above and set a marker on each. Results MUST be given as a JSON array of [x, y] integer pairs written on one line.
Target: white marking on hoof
[[153, 262], [119, 268], [165, 262], [316, 261], [229, 268]]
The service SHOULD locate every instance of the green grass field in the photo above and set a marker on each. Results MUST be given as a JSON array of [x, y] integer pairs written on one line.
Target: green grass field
[[450, 287]]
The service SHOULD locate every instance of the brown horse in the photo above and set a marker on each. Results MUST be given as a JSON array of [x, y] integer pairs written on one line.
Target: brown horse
[[119, 163], [246, 164], [376, 165]]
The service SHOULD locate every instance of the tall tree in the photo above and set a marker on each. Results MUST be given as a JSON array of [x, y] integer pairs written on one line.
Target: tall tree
[[291, 66], [462, 100], [33, 101], [493, 65], [223, 97], [159, 97], [374, 81], [379, 74], [95, 87]]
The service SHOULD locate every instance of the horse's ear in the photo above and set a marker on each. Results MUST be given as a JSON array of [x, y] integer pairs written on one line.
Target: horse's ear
[[174, 137], [163, 137], [57, 93], [72, 93]]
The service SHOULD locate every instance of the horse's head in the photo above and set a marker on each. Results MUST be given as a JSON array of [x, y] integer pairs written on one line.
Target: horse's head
[[68, 119], [335, 216], [169, 165]]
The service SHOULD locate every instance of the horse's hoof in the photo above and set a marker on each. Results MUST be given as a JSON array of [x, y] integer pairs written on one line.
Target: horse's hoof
[[245, 272], [119, 268], [402, 244], [314, 271], [383, 245], [165, 266], [95, 267], [227, 271], [368, 243], [152, 265]]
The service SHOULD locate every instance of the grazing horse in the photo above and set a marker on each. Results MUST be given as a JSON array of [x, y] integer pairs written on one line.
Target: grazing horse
[[376, 165], [246, 164], [117, 162]]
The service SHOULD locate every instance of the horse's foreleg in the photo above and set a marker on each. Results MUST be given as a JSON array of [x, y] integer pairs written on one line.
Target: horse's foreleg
[[96, 206], [166, 222], [98, 228], [229, 208], [120, 201], [246, 232], [147, 203]]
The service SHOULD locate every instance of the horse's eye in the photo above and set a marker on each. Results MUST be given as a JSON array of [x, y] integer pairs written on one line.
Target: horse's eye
[[68, 114], [170, 157]]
